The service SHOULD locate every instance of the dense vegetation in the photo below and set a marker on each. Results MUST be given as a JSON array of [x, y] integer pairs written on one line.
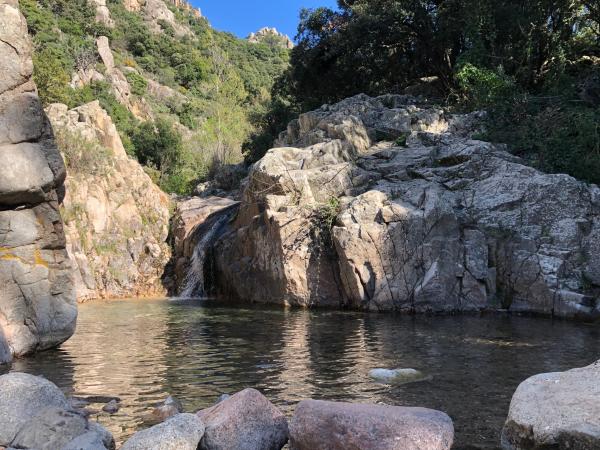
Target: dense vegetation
[[534, 65], [220, 83]]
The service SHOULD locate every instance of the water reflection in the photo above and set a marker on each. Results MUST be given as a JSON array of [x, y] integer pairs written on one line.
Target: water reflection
[[142, 351]]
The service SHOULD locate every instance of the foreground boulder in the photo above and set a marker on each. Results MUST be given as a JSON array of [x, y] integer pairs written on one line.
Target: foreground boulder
[[324, 425], [34, 414], [116, 218], [180, 432], [244, 421], [387, 204], [555, 410], [37, 301]]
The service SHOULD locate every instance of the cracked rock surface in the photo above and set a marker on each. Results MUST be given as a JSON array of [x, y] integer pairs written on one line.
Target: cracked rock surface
[[37, 302], [387, 204]]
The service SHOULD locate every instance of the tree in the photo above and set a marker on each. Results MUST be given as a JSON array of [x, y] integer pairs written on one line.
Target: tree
[[158, 145]]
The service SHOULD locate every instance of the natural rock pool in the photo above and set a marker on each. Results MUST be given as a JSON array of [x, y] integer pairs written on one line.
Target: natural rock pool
[[144, 350]]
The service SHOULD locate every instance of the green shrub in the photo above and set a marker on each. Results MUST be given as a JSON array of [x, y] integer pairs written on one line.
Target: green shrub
[[481, 87], [138, 83]]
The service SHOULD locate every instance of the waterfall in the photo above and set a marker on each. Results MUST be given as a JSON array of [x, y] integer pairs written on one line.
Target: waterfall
[[194, 285]]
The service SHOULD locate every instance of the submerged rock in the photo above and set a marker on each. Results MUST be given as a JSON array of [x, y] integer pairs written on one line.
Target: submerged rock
[[397, 376], [555, 410], [34, 414], [244, 421], [339, 426], [180, 432]]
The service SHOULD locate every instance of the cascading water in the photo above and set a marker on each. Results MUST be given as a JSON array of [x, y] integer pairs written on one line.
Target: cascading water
[[194, 285]]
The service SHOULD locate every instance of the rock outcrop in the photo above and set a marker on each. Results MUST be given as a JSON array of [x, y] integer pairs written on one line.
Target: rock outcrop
[[34, 414], [37, 301], [116, 218], [338, 426], [119, 85], [102, 12], [156, 12], [555, 410], [387, 204], [271, 37]]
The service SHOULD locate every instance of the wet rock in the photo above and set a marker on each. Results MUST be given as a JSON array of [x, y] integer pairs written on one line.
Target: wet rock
[[244, 421], [169, 408], [189, 215], [180, 432], [340, 426], [555, 410], [111, 407], [397, 376]]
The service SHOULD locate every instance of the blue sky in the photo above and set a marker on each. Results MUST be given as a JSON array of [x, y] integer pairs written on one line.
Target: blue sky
[[241, 17]]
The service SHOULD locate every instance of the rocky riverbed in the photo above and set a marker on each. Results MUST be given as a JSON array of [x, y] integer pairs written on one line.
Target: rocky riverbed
[[556, 410]]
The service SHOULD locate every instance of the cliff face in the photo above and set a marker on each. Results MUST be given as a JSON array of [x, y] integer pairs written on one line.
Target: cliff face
[[37, 301], [383, 204], [116, 218]]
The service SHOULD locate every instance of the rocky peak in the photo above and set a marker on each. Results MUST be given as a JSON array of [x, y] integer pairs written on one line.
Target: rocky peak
[[271, 37]]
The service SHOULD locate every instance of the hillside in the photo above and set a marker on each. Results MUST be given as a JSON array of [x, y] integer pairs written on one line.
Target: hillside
[[168, 80]]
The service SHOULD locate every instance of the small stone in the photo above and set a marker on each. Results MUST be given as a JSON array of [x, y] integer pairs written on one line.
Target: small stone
[[111, 407]]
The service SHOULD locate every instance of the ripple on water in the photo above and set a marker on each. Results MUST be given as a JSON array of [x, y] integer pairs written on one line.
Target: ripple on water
[[142, 351]]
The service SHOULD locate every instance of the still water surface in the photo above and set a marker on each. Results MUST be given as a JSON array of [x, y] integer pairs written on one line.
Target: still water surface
[[143, 351]]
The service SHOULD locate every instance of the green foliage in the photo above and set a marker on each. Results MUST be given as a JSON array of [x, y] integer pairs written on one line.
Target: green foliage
[[550, 133], [138, 83], [221, 82], [481, 87]]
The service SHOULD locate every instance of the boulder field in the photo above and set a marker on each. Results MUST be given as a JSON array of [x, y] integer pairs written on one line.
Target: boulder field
[[37, 300], [389, 203]]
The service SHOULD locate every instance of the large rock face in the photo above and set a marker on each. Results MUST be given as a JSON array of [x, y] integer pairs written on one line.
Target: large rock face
[[555, 410], [382, 204], [116, 218], [37, 301]]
